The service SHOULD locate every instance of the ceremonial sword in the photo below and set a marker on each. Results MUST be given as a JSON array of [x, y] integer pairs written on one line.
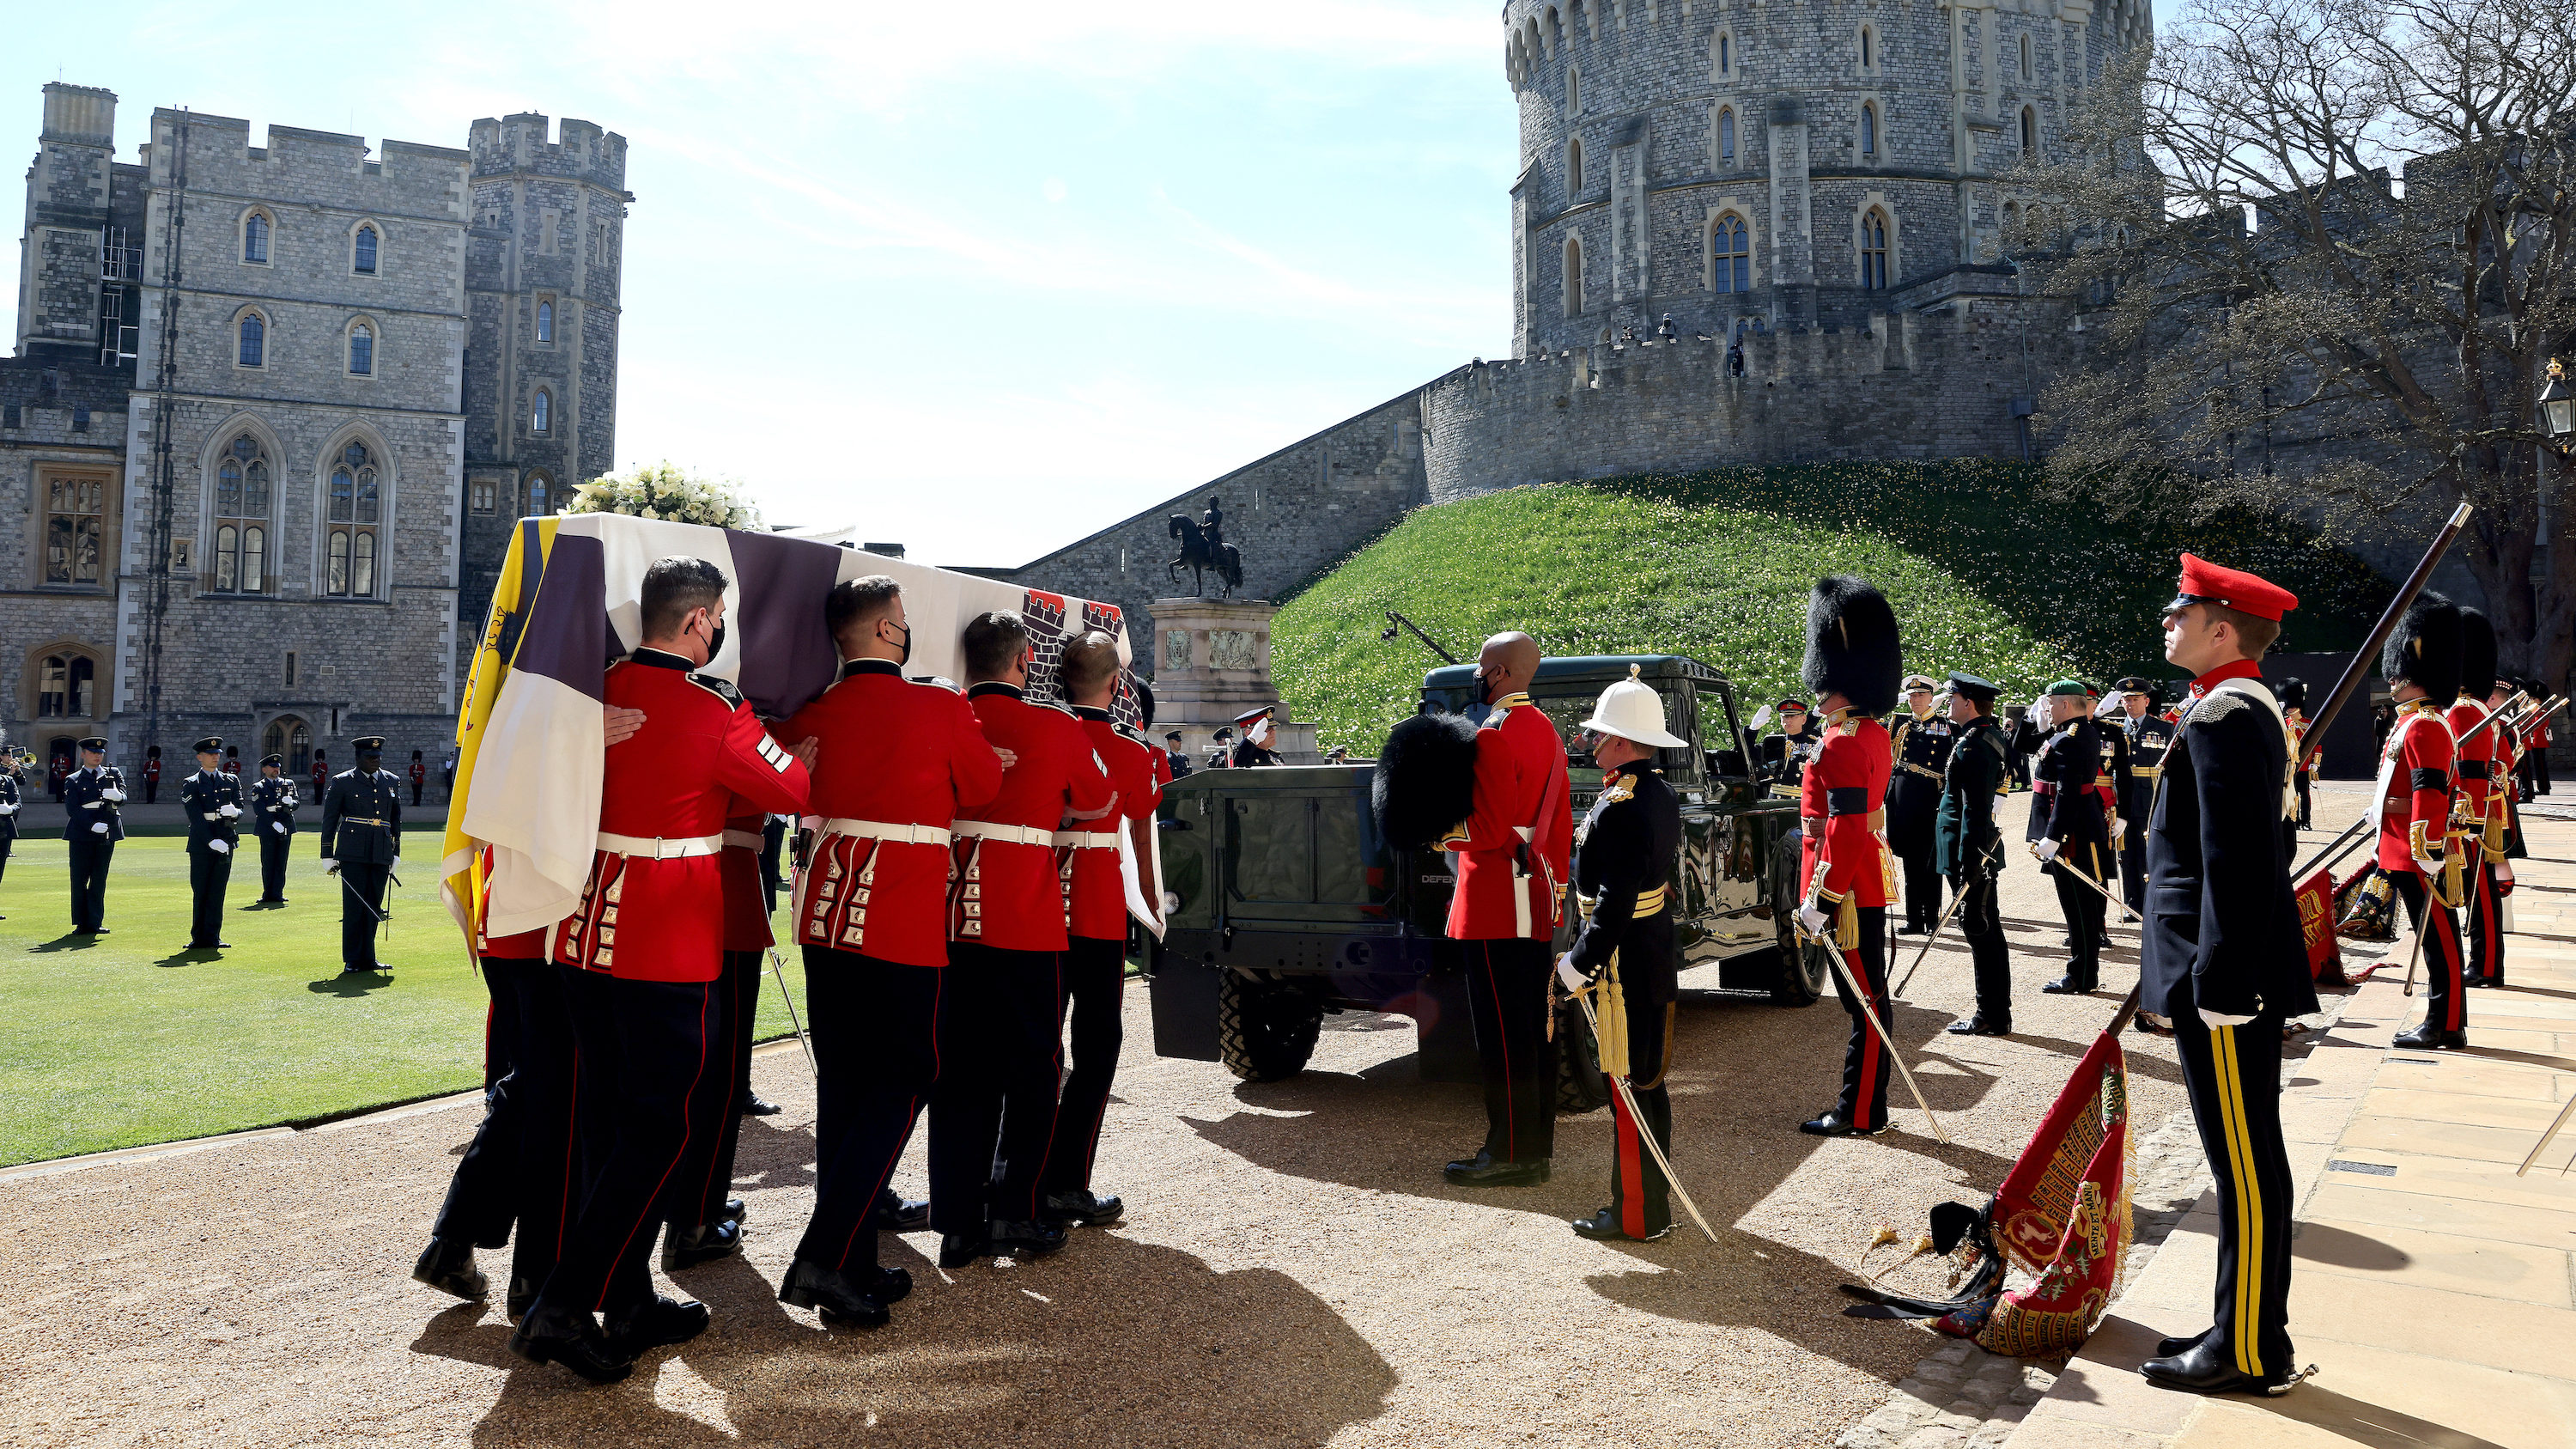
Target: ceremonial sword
[[778, 969], [2059, 860], [1645, 1129], [1946, 913], [1870, 1012]]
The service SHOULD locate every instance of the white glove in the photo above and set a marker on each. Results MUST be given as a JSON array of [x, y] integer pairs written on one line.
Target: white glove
[[95, 805], [330, 866], [278, 825], [2046, 850], [1814, 920], [1573, 979], [2427, 864], [112, 793], [99, 829], [2119, 826], [230, 812], [8, 809], [220, 847], [2216, 1019]]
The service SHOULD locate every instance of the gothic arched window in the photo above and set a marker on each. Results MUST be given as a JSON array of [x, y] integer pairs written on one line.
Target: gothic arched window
[[1869, 130], [545, 319], [362, 350], [1726, 137], [541, 412], [241, 517], [356, 514], [254, 238], [363, 254], [253, 339], [1873, 250], [1573, 277], [1730, 254]]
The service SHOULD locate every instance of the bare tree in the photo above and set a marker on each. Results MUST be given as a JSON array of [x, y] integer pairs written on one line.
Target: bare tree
[[2322, 251]]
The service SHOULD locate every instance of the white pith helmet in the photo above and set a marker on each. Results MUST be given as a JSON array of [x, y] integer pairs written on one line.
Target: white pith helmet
[[1633, 711]]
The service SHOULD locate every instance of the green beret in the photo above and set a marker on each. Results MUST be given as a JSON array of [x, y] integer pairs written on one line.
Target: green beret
[[2069, 686]]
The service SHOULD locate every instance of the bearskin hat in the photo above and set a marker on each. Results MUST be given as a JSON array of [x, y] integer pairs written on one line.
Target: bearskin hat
[[2426, 649], [1426, 779], [2477, 654], [2294, 693], [1852, 644]]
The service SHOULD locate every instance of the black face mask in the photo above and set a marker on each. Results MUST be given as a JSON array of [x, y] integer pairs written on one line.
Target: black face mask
[[1484, 689], [715, 643], [906, 656]]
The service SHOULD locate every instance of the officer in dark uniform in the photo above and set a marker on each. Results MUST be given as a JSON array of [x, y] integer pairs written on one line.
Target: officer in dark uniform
[[272, 811], [1922, 746], [2070, 830], [361, 840], [213, 801], [1969, 849], [1623, 862], [1176, 759], [2148, 734], [1784, 756], [2223, 959], [8, 806], [90, 797]]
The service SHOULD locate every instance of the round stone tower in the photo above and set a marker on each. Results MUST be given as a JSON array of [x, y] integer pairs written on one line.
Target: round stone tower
[[1768, 164]]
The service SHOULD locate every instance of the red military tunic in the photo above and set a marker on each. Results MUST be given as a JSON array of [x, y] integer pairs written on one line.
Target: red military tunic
[[746, 905], [2415, 786], [898, 760], [1524, 812], [1009, 888], [1099, 893], [525, 946], [1842, 808], [654, 906], [2472, 760]]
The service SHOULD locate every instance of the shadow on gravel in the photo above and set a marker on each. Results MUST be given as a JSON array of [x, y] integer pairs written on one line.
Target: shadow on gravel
[[989, 1355]]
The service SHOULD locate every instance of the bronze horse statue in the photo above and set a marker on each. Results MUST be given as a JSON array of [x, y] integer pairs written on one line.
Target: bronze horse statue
[[1198, 558]]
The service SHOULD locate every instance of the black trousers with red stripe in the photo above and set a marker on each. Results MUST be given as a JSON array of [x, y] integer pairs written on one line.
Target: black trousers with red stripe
[[1095, 985], [1638, 1188], [738, 999], [648, 1051], [999, 1061], [2446, 1003], [2233, 1074], [518, 1171], [2486, 925], [1863, 1102], [1507, 998], [876, 1045]]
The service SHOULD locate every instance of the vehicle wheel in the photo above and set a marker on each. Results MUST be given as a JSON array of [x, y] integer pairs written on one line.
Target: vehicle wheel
[[1804, 966], [1265, 1030], [1580, 1087]]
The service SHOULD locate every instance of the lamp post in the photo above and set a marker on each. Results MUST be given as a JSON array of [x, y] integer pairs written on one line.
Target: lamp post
[[2558, 409]]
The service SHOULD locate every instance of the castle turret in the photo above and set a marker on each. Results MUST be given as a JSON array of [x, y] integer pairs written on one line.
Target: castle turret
[[75, 257]]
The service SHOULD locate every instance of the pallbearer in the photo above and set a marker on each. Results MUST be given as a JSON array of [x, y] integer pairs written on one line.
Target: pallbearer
[[1971, 849], [2223, 959], [2481, 776], [1852, 654], [1922, 744], [272, 811], [2422, 666], [1623, 864]]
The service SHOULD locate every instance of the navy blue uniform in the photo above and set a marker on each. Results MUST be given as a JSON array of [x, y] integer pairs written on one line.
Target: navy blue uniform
[[2066, 782], [89, 801], [272, 813], [362, 830], [212, 839], [1623, 862], [1913, 802]]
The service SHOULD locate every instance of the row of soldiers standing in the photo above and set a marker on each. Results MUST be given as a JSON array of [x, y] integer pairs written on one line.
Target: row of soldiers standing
[[960, 894]]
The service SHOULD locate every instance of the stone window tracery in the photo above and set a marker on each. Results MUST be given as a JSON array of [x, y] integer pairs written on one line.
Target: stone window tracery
[[355, 515], [255, 225], [1726, 136], [75, 525], [1873, 250], [1731, 254], [242, 495], [362, 350], [1573, 277], [362, 251], [250, 347]]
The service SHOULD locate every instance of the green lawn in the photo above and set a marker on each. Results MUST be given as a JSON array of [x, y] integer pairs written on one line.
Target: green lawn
[[125, 1039], [1988, 570]]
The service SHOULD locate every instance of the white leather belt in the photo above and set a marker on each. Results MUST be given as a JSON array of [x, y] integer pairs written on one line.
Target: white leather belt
[[1015, 834], [745, 840], [657, 848], [1086, 840], [880, 830]]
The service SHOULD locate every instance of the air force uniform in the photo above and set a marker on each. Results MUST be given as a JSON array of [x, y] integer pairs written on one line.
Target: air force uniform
[[91, 795], [361, 840], [272, 814], [213, 801]]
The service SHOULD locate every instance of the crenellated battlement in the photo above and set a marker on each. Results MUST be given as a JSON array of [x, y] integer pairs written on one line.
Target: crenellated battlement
[[520, 144]]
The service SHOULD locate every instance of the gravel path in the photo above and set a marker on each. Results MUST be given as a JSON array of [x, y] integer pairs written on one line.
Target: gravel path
[[1292, 1271]]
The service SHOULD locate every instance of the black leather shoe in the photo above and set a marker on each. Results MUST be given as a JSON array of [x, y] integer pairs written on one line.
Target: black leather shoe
[[2206, 1368], [656, 1322], [2169, 1347], [1030, 1239], [702, 1244], [1603, 1227], [449, 1268], [1975, 1024], [2483, 980], [896, 1215], [1909, 929], [1083, 1208], [844, 1297], [569, 1337], [1485, 1170], [735, 1210], [2071, 985], [523, 1291], [756, 1105], [2430, 1037], [957, 1250], [1832, 1125]]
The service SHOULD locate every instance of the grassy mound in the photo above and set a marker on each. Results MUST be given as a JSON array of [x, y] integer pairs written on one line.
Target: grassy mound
[[1988, 573]]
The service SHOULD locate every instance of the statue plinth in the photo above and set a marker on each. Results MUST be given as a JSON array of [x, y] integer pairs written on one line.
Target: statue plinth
[[1211, 663]]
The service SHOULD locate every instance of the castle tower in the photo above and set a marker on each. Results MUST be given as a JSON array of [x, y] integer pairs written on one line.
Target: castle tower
[[82, 251], [543, 294], [1737, 163]]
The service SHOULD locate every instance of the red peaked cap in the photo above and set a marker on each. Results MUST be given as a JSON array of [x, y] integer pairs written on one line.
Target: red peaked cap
[[2204, 582]]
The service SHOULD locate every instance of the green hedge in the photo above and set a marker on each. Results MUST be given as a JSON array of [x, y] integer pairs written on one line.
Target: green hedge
[[1988, 570]]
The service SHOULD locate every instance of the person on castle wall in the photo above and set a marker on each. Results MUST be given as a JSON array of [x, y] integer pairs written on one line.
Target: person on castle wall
[[1259, 733], [152, 775], [419, 777]]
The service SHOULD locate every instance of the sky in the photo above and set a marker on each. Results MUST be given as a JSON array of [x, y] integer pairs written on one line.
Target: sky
[[978, 280]]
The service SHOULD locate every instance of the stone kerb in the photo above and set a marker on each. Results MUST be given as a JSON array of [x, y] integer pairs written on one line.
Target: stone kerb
[[1211, 662]]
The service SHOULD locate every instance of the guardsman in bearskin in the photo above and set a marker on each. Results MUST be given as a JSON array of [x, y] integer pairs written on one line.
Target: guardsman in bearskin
[[1623, 861], [2223, 959], [213, 802], [152, 776], [1514, 852], [2422, 666], [646, 948], [2148, 734], [2070, 830], [1922, 744], [321, 776], [272, 817], [894, 761], [1783, 758], [361, 841], [1848, 880], [1001, 1008], [91, 795], [2294, 708], [2476, 764], [1969, 848]]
